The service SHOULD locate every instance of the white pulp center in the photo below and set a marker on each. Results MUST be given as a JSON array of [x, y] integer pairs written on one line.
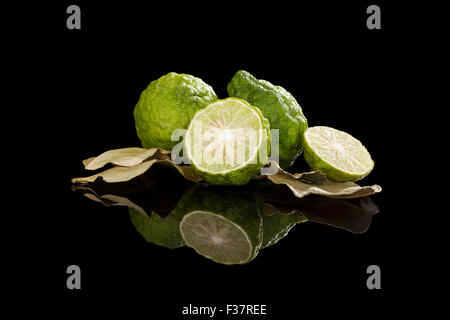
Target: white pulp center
[[216, 240], [339, 147], [225, 135]]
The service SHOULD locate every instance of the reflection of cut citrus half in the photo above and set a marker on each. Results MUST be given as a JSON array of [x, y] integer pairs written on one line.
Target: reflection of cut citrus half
[[336, 153], [216, 237], [227, 142], [222, 225]]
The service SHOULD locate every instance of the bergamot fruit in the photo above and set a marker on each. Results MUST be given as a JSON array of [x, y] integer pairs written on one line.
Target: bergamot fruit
[[337, 154], [169, 103], [279, 107], [224, 225], [228, 142]]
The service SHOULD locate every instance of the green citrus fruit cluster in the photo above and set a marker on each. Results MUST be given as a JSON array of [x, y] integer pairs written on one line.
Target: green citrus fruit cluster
[[181, 101]]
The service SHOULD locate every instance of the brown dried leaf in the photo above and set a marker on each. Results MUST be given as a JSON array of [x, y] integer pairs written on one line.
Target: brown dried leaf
[[126, 157], [122, 174], [134, 162], [315, 183], [118, 174], [186, 171]]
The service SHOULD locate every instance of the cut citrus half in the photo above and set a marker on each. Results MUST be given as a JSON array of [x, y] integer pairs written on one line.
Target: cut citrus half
[[228, 142], [336, 153], [222, 225]]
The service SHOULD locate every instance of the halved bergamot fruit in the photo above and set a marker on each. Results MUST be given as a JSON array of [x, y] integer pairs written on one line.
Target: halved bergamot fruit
[[228, 142], [336, 153], [224, 225]]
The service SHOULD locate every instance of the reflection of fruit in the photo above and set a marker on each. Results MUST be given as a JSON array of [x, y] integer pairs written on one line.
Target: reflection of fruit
[[278, 106], [163, 232], [336, 153], [221, 224], [228, 142], [167, 104], [277, 226]]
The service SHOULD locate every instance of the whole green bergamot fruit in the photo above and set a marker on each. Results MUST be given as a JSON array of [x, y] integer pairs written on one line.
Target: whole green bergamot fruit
[[167, 104], [279, 107]]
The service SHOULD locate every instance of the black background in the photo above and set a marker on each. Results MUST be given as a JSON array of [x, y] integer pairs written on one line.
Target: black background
[[342, 74]]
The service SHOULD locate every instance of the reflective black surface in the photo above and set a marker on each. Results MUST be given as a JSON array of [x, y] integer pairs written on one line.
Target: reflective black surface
[[159, 191]]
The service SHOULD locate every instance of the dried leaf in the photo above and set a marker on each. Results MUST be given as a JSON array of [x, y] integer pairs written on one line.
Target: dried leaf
[[314, 183], [126, 157], [122, 174], [133, 162], [313, 177], [186, 171], [118, 174]]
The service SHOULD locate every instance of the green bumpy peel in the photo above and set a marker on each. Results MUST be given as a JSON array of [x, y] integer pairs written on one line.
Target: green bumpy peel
[[167, 104], [279, 107]]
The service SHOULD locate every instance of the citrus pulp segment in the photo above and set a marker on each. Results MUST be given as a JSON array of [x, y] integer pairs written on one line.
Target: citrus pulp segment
[[336, 153], [228, 142]]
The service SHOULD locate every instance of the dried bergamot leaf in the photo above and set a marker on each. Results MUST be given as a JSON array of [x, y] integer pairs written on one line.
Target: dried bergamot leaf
[[118, 174], [122, 174], [300, 184], [126, 157], [314, 183]]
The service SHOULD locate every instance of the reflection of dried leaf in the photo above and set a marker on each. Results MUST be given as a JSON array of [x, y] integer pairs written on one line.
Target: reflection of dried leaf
[[158, 191], [354, 215], [346, 214], [126, 157], [315, 183], [114, 200]]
